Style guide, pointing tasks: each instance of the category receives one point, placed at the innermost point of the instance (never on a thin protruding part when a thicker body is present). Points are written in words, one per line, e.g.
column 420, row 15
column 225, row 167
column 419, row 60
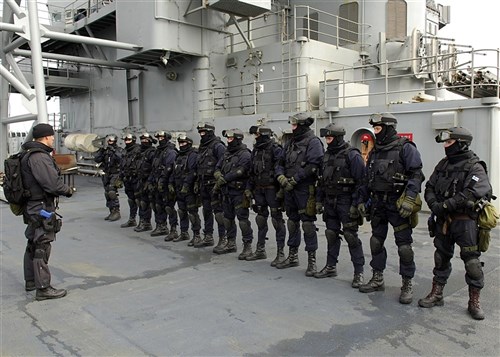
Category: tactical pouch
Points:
column 488, row 217
column 484, row 239
column 52, row 224
column 414, row 220
column 311, row 202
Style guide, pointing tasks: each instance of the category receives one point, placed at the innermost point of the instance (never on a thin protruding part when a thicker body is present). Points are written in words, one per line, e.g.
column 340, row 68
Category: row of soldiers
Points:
column 303, row 180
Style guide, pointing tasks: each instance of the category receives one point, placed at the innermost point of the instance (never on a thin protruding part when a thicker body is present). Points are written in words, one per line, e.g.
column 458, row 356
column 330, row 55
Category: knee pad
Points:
column 438, row 260
column 261, row 221
column 194, row 219
column 474, row 269
column 405, row 253
column 292, row 226
column 206, row 212
column 278, row 223
column 182, row 213
column 106, row 195
column 331, row 236
column 276, row 213
column 309, row 228
column 351, row 239
column 112, row 195
column 375, row 245
column 144, row 205
column 227, row 223
column 245, row 227
column 219, row 218
column 131, row 203
column 169, row 210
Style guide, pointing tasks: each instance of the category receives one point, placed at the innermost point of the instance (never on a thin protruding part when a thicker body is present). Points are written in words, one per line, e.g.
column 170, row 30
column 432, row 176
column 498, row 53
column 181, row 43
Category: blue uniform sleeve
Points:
column 314, row 158
column 243, row 168
column 358, row 172
column 413, row 168
column 192, row 166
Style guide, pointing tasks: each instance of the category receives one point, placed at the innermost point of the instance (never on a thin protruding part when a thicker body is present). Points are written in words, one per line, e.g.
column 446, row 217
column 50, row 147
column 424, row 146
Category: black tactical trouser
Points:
column 130, row 192
column 110, row 190
column 212, row 206
column 187, row 208
column 463, row 233
column 384, row 211
column 143, row 197
column 336, row 217
column 233, row 208
column 265, row 199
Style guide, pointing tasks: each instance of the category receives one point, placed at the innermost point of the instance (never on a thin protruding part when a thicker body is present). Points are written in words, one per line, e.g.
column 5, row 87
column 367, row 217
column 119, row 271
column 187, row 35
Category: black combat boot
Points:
column 434, row 298
column 173, row 235
column 219, row 248
column 246, row 252
column 130, row 223
column 292, row 260
column 474, row 307
column 115, row 215
column 260, row 253
column 140, row 226
column 357, row 280
column 182, row 236
column 311, row 263
column 406, row 296
column 29, row 285
column 197, row 241
column 326, row 272
column 230, row 246
column 280, row 257
column 207, row 241
column 376, row 283
column 160, row 230
column 50, row 293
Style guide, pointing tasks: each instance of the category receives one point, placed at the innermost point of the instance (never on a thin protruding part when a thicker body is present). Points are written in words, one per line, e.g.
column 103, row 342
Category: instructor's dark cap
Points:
column 42, row 130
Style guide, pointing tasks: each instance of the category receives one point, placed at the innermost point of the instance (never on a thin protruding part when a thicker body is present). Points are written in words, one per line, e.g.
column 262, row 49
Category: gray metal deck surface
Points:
column 130, row 294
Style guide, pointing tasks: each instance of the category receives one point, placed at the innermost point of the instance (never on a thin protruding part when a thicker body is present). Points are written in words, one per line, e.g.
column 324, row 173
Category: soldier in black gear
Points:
column 109, row 157
column 166, row 190
column 457, row 183
column 263, row 187
column 158, row 194
column 128, row 174
column 231, row 178
column 394, row 169
column 297, row 174
column 145, row 187
column 210, row 152
column 184, row 179
column 42, row 176
column 341, row 176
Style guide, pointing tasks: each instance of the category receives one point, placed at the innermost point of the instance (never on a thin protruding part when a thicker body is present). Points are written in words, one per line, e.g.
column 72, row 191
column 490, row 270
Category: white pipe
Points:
column 16, row 83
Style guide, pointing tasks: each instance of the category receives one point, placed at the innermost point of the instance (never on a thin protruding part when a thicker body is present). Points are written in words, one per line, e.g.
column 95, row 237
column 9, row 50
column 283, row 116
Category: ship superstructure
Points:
column 118, row 65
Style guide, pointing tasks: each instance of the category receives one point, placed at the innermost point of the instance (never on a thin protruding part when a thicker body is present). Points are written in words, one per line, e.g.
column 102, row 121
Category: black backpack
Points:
column 16, row 194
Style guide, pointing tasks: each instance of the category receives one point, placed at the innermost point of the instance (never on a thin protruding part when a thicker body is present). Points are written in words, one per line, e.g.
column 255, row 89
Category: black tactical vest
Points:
column 130, row 161
column 145, row 163
column 337, row 178
column 295, row 155
column 111, row 162
column 181, row 166
column 263, row 164
column 231, row 163
column 386, row 171
column 207, row 159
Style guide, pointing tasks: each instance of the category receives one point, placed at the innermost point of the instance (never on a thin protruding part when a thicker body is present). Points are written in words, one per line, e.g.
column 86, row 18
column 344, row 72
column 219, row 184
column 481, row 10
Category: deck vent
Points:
column 244, row 8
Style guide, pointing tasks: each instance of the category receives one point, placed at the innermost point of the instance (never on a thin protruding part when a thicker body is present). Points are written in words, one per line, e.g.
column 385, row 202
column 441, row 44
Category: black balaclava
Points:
column 386, row 135
column 300, row 130
column 186, row 147
column 457, row 152
column 162, row 143
column 337, row 143
column 262, row 140
column 146, row 145
column 234, row 145
column 130, row 144
column 209, row 135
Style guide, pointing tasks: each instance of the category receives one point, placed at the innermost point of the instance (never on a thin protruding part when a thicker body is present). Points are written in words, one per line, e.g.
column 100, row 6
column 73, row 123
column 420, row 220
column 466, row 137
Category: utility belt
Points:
column 335, row 190
column 384, row 196
column 461, row 217
column 264, row 187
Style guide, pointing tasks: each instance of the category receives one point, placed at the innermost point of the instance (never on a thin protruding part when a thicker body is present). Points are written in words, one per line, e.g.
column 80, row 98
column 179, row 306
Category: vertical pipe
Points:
column 36, row 61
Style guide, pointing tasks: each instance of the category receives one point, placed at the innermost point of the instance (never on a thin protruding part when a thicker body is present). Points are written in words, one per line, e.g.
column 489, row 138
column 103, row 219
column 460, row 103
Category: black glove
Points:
column 439, row 209
column 319, row 208
column 354, row 212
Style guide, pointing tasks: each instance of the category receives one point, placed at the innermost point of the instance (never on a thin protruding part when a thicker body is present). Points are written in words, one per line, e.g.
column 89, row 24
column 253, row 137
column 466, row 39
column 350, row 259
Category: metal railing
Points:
column 75, row 11
column 306, row 22
column 464, row 79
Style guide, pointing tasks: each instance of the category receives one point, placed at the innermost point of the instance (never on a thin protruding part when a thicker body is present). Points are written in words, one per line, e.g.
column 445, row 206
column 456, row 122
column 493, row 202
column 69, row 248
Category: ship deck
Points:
column 130, row 294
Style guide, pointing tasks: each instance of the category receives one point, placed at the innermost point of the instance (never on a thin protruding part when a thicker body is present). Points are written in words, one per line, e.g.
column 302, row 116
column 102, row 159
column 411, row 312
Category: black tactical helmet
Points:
column 204, row 126
column 332, row 130
column 383, row 119
column 459, row 134
column 164, row 134
column 129, row 136
column 147, row 136
column 112, row 137
column 301, row 119
column 260, row 129
column 233, row 133
column 183, row 138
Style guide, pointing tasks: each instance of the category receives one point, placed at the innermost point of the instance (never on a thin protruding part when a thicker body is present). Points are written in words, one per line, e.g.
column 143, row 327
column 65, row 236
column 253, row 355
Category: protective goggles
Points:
column 298, row 119
column 204, row 126
column 324, row 132
column 255, row 129
column 232, row 133
column 376, row 119
column 443, row 136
